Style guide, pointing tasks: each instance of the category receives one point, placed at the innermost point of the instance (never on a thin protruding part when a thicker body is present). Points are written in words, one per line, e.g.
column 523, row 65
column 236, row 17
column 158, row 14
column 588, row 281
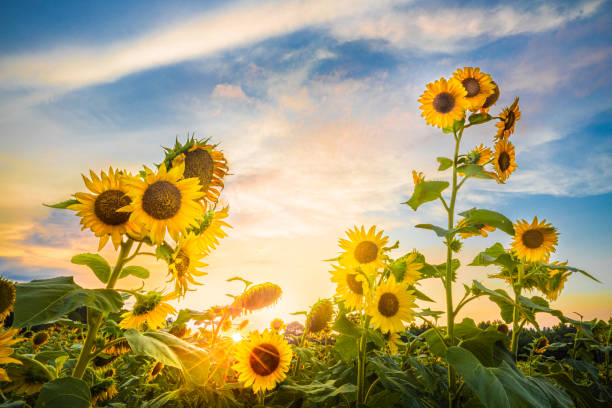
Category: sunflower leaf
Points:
column 426, row 191
column 445, row 163
column 64, row 392
column 457, row 125
column 441, row 232
column 137, row 271
column 344, row 326
column 63, row 205
column 474, row 170
column 478, row 118
column 488, row 217
column 98, row 265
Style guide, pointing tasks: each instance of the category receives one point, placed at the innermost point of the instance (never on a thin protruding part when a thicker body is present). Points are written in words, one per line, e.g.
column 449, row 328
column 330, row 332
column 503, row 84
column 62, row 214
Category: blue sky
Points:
column 315, row 106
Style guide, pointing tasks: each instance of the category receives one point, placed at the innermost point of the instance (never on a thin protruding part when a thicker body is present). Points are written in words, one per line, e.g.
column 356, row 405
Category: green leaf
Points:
column 445, row 163
column 64, row 392
column 441, row 232
column 137, row 271
column 474, row 170
column 344, row 326
column 63, row 205
column 318, row 392
column 347, row 347
column 172, row 351
column 435, row 343
column 487, row 217
column 164, row 251
column 478, row 118
column 426, row 191
column 457, row 125
column 96, row 263
column 420, row 295
column 46, row 300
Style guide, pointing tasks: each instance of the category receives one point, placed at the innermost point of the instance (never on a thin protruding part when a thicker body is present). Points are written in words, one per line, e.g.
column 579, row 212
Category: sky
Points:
column 314, row 104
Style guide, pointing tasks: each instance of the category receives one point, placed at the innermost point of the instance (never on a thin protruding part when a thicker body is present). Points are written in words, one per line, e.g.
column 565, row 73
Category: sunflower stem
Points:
column 94, row 318
column 515, row 316
column 361, row 360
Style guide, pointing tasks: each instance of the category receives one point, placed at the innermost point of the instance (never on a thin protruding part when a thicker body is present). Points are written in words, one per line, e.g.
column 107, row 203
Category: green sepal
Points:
column 63, row 205
column 445, row 163
column 457, row 125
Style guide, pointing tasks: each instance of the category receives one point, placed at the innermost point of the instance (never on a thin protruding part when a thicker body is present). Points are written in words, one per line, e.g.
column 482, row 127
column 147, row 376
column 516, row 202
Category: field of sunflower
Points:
column 63, row 345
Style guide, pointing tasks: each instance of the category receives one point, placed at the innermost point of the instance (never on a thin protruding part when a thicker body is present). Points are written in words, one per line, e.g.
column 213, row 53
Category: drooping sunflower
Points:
column 258, row 296
column 7, row 339
column 100, row 364
column 202, row 161
column 481, row 155
column 99, row 210
column 491, row 99
column 210, row 230
column 7, row 298
column 478, row 86
column 103, row 391
column 504, row 160
column 28, row 377
column 392, row 305
column 263, row 360
column 155, row 371
column 352, row 286
column 165, row 201
column 508, row 119
column 363, row 249
column 119, row 348
column 417, row 177
column 483, row 229
column 40, row 339
column 319, row 316
column 184, row 263
column 150, row 309
column 556, row 282
column 444, row 102
column 534, row 242
column 393, row 340
column 410, row 267
column 540, row 345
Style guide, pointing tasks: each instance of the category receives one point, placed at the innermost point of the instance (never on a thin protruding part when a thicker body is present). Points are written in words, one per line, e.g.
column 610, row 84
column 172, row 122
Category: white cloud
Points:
column 228, row 91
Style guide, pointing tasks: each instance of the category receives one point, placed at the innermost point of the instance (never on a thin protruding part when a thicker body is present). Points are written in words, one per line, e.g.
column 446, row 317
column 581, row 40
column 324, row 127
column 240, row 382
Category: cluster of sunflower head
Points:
column 369, row 283
column 177, row 199
column 445, row 104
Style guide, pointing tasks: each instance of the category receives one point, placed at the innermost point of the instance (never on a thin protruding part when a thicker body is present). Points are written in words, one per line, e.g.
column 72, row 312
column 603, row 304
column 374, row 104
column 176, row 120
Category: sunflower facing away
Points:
column 481, row 155
column 392, row 305
column 28, row 377
column 352, row 286
column 483, row 230
column 417, row 177
column 7, row 298
column 556, row 282
column 319, row 316
column 534, row 241
column 207, row 164
column 504, row 160
column 7, row 339
column 184, row 264
column 509, row 117
column 155, row 371
column 165, row 201
column 103, row 391
column 412, row 268
column 210, row 230
column 263, row 360
column 150, row 309
column 363, row 249
column 478, row 86
column 257, row 297
column 443, row 102
column 99, row 210
column 491, row 99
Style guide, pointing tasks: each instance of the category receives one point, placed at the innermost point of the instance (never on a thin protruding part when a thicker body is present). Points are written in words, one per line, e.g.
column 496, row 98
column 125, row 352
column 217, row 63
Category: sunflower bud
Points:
column 319, row 316
column 103, row 391
column 259, row 296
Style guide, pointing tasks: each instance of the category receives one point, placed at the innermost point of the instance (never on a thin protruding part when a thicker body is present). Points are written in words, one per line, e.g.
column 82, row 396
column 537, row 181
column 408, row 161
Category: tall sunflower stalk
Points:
column 445, row 104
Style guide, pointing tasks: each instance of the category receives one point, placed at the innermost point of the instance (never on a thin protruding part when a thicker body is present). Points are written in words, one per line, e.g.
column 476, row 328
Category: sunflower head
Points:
column 258, row 296
column 491, row 99
column 478, row 86
column 319, row 316
column 27, row 378
column 100, row 208
column 503, row 328
column 504, row 160
column 7, row 298
column 263, row 360
column 417, row 177
column 363, row 249
column 211, row 230
column 534, row 242
column 101, row 364
column 481, row 155
column 352, row 286
column 150, row 309
column 155, row 371
column 184, row 264
column 540, row 345
column 508, row 119
column 7, row 339
column 444, row 102
column 556, row 281
column 103, row 391
column 407, row 268
column 392, row 305
column 119, row 348
column 277, row 324
column 483, row 229
column 40, row 339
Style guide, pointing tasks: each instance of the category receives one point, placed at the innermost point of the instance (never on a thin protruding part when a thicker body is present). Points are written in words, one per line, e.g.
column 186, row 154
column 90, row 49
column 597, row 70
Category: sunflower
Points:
column 534, row 242
column 540, row 345
column 99, row 210
column 155, row 371
column 554, row 285
column 7, row 339
column 483, row 229
column 40, row 339
column 150, row 309
column 210, row 230
column 363, row 249
column 184, row 263
column 27, row 378
column 100, row 364
column 481, row 155
column 412, row 268
column 319, row 316
column 444, row 102
column 352, row 285
column 504, row 160
column 393, row 340
column 119, row 348
column 277, row 324
column 263, row 360
column 392, row 305
column 258, row 296
column 478, row 86
column 7, row 298
column 103, row 391
column 417, row 177
column 163, row 201
column 508, row 119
